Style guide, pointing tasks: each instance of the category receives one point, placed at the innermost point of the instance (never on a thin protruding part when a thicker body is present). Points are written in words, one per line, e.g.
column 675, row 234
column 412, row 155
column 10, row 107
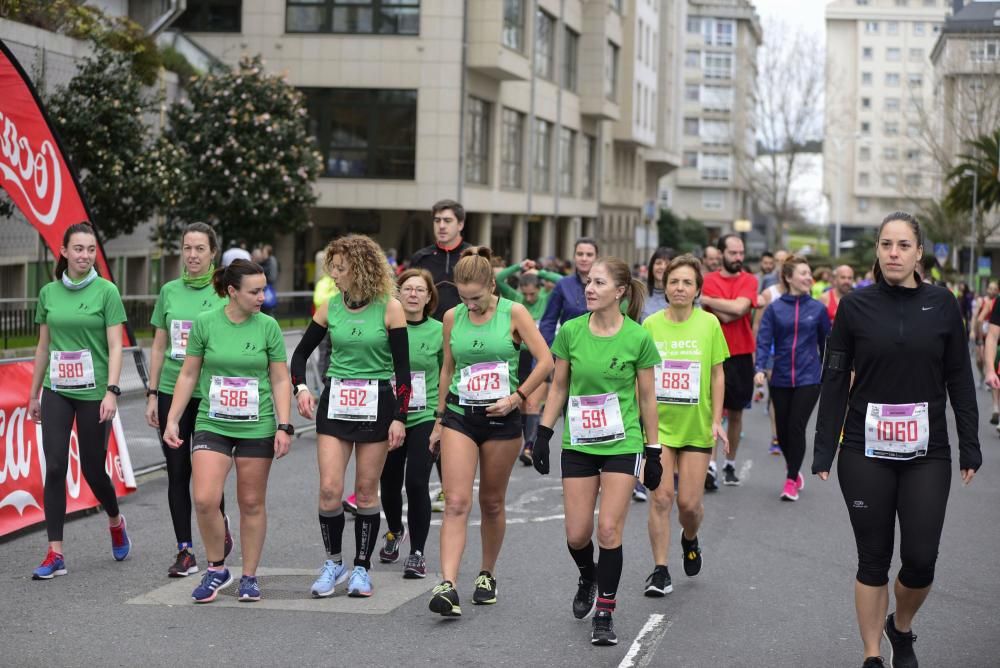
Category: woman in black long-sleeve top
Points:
column 905, row 342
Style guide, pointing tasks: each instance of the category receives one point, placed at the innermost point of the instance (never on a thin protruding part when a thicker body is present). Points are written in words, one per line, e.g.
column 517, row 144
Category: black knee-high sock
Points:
column 584, row 558
column 530, row 428
column 366, row 526
column 331, row 523
column 609, row 573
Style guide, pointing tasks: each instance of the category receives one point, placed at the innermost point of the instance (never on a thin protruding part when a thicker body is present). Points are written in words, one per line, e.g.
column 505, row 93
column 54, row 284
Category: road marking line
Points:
column 745, row 469
column 637, row 655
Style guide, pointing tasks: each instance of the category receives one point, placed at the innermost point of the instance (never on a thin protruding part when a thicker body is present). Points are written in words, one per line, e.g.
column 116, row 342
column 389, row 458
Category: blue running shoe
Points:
column 211, row 583
column 121, row 544
column 50, row 567
column 249, row 589
column 331, row 575
column 360, row 585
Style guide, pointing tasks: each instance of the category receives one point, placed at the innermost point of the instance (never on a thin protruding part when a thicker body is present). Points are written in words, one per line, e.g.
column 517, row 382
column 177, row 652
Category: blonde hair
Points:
column 369, row 267
column 476, row 266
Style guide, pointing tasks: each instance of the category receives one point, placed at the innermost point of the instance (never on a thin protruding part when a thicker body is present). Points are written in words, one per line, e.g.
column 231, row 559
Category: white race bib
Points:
column 71, row 370
column 896, row 431
column 483, row 384
column 678, row 382
column 234, row 399
column 418, row 391
column 179, row 331
column 353, row 400
column 595, row 418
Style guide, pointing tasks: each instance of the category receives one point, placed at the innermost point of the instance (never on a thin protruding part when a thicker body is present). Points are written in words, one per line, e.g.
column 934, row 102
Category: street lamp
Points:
column 972, row 237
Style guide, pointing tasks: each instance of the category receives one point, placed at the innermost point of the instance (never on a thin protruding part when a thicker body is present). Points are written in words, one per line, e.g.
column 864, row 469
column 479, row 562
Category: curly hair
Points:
column 372, row 276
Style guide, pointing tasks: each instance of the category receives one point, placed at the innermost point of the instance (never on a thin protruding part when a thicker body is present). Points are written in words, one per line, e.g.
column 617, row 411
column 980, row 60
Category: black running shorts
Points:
column 739, row 382
column 261, row 448
column 576, row 464
column 358, row 432
column 479, row 426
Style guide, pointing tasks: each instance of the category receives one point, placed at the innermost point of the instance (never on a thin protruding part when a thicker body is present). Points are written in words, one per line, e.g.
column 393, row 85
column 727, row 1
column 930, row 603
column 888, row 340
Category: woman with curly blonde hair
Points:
column 358, row 410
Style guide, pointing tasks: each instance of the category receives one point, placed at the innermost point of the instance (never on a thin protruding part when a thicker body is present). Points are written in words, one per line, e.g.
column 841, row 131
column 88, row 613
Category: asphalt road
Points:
column 776, row 588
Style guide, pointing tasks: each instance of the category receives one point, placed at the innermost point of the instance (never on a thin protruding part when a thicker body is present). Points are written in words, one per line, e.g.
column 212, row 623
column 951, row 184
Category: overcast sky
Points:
column 805, row 13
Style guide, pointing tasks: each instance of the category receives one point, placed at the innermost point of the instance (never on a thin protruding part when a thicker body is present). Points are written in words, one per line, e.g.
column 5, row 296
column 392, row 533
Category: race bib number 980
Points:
column 71, row 370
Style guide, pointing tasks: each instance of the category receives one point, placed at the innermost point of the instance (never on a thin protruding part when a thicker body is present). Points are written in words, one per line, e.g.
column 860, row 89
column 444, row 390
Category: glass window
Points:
column 891, row 129
column 867, row 53
column 863, row 179
column 692, row 92
column 571, row 49
column 890, row 180
column 364, row 133
column 985, row 51
column 913, row 154
column 866, row 103
column 864, row 154
column 513, row 24
column 692, row 58
column 690, row 159
column 916, row 79
column 866, row 127
column 211, row 16
column 512, row 149
column 892, row 27
column 477, row 141
column 866, row 78
column 589, row 146
column 717, row 98
column 715, row 132
column 892, row 79
column 611, row 72
column 543, row 155
column 919, row 28
column 545, row 41
column 890, row 153
column 916, row 55
column 892, row 104
column 694, row 25
column 893, row 54
column 713, row 200
column 719, row 32
column 567, row 158
column 863, row 204
column 357, row 17
column 715, row 166
column 718, row 65
column 871, row 27
column 691, row 127
column 912, row 129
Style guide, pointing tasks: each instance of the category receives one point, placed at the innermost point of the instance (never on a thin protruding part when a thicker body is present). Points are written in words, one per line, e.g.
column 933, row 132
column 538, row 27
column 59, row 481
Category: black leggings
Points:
column 58, row 412
column 417, row 476
column 876, row 491
column 792, row 408
column 179, row 467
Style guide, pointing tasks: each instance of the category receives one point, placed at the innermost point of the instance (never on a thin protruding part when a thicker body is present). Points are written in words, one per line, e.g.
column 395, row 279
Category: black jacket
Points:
column 906, row 345
column 441, row 264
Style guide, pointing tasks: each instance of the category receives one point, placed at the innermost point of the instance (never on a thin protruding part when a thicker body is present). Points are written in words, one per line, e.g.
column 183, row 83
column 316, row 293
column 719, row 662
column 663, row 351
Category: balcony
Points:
column 498, row 48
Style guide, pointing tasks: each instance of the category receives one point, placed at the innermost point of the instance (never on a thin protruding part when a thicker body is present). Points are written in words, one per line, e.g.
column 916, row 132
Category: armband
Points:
column 838, row 360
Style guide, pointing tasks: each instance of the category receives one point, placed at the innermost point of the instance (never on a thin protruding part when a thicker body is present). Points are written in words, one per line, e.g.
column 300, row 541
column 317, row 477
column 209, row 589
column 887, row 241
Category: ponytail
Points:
column 475, row 266
column 77, row 228
column 635, row 293
column 914, row 224
column 232, row 275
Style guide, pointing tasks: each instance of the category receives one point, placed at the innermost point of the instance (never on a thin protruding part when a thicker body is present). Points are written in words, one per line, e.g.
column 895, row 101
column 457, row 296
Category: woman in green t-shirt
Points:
column 236, row 357
column 79, row 358
column 479, row 418
column 602, row 357
column 690, row 385
column 178, row 304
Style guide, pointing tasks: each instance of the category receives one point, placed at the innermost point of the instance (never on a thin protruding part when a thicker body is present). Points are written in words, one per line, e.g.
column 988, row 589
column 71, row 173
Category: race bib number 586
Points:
column 234, row 399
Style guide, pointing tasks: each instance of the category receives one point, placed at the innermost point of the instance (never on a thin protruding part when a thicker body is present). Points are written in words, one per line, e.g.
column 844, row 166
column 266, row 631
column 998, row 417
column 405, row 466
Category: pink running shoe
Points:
column 791, row 491
column 351, row 504
column 800, row 482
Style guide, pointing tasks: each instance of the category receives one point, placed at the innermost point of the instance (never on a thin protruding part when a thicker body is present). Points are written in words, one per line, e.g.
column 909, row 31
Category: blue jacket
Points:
column 566, row 302
column 797, row 327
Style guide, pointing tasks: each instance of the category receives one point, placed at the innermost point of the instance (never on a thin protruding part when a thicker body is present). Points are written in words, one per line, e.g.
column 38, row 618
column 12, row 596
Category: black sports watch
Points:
column 152, row 392
column 115, row 390
column 287, row 428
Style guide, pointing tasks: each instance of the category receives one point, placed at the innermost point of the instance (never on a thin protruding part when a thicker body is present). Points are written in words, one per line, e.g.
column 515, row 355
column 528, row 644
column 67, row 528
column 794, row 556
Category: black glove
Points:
column 652, row 474
column 540, row 450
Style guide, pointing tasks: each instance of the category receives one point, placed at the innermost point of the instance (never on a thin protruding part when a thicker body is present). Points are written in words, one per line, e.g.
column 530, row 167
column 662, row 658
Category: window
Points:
column 919, row 28
column 871, row 27
column 692, row 58
column 929, row 3
column 863, row 179
column 866, row 103
column 713, row 200
column 890, row 180
column 512, row 148
column 365, row 17
column 589, row 146
column 717, row 98
column 866, row 78
column 864, row 154
column 364, row 133
column 211, row 16
column 916, row 80
column 477, row 141
column 916, row 55
column 719, row 32
column 543, row 153
column 866, row 128
column 912, row 129
column 692, row 92
column 567, row 157
column 893, row 54
column 715, row 132
column 902, row 3
column 571, row 49
column 985, row 50
column 690, row 159
column 718, row 65
column 890, row 153
column 892, row 79
column 513, row 24
column 611, row 72
column 913, row 154
column 913, row 180
column 545, row 41
column 892, row 104
column 691, row 127
column 863, row 204
column 715, row 166
column 867, row 53
column 861, row 3
column 615, row 5
column 891, row 129
column 892, row 27
column 694, row 25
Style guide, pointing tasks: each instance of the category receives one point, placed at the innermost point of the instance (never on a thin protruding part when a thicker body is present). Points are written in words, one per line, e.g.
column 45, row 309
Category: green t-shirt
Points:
column 425, row 345
column 697, row 339
column 487, row 343
column 242, row 352
column 537, row 310
column 600, row 365
column 78, row 321
column 359, row 342
column 176, row 308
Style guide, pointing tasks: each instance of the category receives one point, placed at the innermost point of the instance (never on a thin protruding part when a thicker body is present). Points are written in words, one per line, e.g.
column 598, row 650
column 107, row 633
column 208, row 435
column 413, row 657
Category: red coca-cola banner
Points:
column 34, row 169
column 22, row 461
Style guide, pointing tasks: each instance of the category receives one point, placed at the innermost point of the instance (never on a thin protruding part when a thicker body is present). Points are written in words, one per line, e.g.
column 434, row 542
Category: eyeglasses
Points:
column 414, row 290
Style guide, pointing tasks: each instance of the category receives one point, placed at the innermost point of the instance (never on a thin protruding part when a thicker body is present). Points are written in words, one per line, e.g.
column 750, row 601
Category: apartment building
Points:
column 718, row 143
column 879, row 102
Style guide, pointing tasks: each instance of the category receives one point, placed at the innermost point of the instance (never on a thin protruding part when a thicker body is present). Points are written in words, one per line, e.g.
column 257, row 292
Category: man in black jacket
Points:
column 441, row 257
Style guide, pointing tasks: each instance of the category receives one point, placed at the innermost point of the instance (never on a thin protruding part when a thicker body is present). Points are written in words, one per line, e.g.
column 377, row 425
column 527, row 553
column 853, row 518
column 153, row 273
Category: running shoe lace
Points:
column 442, row 588
column 602, row 623
column 50, row 559
column 483, row 582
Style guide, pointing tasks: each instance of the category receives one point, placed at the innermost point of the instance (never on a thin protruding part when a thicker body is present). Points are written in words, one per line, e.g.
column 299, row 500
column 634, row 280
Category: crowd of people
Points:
column 452, row 358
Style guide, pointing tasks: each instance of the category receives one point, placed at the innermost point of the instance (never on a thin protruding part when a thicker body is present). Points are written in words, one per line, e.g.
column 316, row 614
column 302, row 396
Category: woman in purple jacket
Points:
column 797, row 325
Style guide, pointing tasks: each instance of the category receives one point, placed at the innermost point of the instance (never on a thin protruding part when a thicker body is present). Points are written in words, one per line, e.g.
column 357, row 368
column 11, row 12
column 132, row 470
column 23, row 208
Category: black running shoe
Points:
column 692, row 555
column 525, row 457
column 389, row 554
column 711, row 481
column 444, row 600
column 585, row 599
column 604, row 629
column 183, row 566
column 901, row 645
column 873, row 662
column 995, row 419
column 486, row 589
column 729, row 476
column 659, row 584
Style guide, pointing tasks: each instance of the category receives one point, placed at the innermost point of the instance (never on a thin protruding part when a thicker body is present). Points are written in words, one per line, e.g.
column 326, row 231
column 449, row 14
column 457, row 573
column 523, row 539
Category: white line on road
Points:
column 745, row 469
column 637, row 655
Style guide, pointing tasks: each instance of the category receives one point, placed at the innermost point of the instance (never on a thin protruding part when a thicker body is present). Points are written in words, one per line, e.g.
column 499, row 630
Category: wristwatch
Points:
column 152, row 392
column 287, row 428
column 438, row 414
column 298, row 388
column 115, row 390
